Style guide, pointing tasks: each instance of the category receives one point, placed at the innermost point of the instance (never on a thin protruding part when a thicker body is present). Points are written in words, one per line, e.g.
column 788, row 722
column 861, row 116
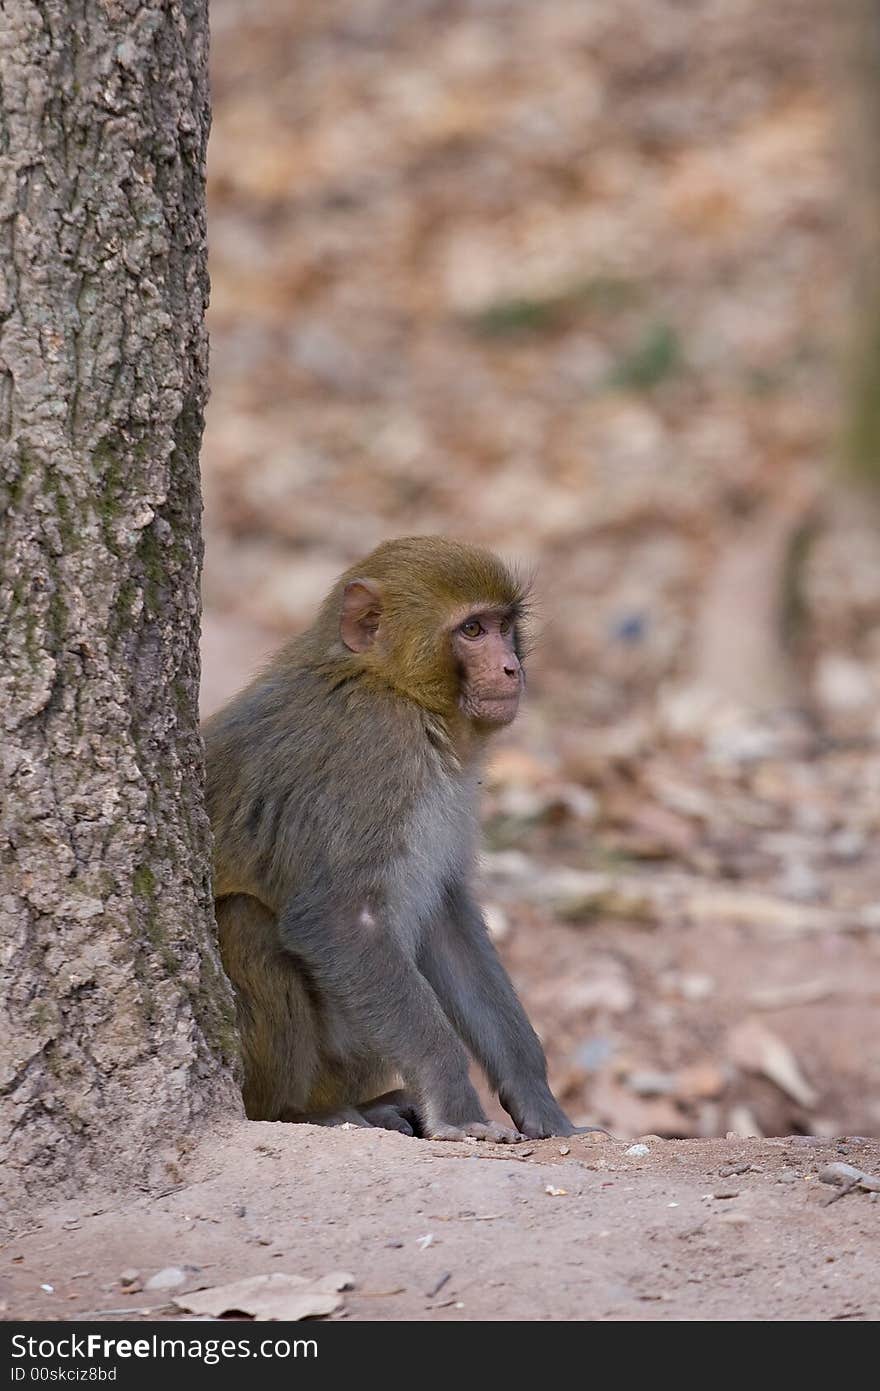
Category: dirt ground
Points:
column 711, row 1229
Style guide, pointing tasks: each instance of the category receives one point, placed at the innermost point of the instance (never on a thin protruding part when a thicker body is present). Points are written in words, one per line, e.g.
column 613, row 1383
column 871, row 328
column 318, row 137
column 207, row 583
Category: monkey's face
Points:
column 491, row 675
column 438, row 622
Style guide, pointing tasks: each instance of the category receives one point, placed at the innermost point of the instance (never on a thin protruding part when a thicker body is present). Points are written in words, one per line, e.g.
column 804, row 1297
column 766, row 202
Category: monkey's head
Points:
column 438, row 621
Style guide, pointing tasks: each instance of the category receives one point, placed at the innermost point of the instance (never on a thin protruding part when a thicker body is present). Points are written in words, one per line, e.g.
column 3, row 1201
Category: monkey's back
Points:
column 338, row 801
column 312, row 788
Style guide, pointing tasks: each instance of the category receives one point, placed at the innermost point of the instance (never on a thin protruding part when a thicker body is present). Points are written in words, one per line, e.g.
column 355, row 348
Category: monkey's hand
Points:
column 561, row 1129
column 477, row 1130
column 540, row 1116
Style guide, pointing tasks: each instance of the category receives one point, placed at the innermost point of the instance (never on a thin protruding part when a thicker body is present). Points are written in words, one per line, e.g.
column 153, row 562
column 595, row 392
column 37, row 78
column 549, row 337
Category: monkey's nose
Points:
column 511, row 671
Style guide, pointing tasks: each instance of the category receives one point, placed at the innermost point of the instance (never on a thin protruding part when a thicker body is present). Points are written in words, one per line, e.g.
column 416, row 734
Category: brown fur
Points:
column 341, row 790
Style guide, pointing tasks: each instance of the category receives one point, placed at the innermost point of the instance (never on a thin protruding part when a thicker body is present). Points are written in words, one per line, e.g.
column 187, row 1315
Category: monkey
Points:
column 342, row 794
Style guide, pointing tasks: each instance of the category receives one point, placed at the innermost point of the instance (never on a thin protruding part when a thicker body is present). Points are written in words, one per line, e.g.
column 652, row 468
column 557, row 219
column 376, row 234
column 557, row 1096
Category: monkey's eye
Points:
column 505, row 626
column 472, row 629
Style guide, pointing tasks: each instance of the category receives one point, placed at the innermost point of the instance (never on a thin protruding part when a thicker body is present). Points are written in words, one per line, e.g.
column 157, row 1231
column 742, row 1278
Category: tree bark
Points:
column 117, row 1030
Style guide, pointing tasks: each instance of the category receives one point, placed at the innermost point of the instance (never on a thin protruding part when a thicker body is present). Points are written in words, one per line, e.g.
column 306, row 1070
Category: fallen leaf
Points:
column 578, row 896
column 265, row 1297
column 750, row 908
column 756, row 1049
column 808, row 992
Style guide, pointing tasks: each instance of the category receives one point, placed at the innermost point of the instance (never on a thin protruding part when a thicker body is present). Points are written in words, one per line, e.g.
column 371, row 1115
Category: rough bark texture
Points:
column 116, row 1028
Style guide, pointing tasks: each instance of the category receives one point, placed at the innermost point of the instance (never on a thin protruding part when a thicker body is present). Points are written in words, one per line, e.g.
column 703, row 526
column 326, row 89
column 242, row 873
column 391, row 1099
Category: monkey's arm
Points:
column 373, row 990
column 476, row 992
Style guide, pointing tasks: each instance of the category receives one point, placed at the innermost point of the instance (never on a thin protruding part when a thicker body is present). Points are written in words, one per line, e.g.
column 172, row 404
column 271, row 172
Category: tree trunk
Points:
column 859, row 77
column 748, row 616
column 117, row 1035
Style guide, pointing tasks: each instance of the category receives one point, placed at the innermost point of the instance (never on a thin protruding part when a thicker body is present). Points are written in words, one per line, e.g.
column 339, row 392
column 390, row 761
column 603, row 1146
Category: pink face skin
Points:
column 492, row 675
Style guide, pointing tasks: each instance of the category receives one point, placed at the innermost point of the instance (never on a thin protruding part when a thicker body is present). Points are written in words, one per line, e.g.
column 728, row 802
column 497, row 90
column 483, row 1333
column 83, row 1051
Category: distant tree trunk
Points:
column 749, row 617
column 117, row 1028
column 740, row 660
column 860, row 78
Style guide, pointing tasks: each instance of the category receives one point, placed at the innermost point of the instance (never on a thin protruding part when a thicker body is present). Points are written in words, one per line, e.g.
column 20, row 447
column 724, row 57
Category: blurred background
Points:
column 594, row 285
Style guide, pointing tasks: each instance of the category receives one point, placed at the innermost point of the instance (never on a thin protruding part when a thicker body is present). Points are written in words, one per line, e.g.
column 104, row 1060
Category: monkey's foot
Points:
column 548, row 1131
column 542, row 1118
column 478, row 1130
column 393, row 1111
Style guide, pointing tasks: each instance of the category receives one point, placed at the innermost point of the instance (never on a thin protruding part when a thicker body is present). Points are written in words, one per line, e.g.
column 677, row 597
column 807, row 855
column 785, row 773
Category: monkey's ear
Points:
column 361, row 611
